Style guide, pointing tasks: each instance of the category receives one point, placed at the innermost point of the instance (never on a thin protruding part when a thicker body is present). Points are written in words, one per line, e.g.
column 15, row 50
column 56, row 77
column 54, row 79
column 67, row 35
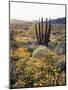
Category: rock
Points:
column 40, row 52
column 60, row 48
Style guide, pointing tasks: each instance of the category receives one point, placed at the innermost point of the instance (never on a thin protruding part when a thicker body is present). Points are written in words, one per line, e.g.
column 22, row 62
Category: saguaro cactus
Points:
column 43, row 36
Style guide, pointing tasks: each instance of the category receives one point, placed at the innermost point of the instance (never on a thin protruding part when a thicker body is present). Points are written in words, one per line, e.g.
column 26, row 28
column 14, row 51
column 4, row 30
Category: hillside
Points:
column 59, row 20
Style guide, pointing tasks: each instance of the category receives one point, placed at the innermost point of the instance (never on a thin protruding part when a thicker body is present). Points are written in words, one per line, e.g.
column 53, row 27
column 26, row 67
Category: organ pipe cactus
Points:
column 43, row 30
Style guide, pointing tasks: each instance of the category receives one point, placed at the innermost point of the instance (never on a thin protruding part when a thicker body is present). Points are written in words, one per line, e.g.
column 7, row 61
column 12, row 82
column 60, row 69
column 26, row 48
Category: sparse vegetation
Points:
column 33, row 64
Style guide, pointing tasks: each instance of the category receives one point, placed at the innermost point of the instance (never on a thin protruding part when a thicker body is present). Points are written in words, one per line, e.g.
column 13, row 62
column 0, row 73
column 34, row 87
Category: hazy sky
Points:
column 29, row 11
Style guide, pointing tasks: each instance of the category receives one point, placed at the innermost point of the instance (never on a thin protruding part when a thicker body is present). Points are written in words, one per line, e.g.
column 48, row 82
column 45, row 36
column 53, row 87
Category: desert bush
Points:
column 19, row 52
column 40, row 51
column 60, row 48
column 13, row 44
column 61, row 65
column 52, row 45
column 14, row 58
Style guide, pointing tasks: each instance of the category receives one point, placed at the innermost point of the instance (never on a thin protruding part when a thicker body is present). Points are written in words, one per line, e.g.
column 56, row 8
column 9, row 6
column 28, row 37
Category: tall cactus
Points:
column 43, row 37
column 46, row 28
column 42, row 27
column 39, row 32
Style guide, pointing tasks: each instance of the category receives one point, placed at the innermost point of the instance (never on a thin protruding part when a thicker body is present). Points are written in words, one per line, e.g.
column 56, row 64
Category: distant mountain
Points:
column 59, row 20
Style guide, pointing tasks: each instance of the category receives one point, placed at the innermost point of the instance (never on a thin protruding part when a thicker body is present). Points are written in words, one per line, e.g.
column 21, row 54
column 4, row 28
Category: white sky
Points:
column 30, row 11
